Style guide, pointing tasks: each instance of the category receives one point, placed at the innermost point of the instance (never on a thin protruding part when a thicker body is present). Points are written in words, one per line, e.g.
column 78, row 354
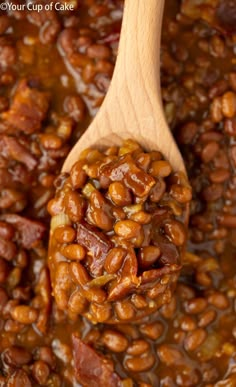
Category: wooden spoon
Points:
column 133, row 107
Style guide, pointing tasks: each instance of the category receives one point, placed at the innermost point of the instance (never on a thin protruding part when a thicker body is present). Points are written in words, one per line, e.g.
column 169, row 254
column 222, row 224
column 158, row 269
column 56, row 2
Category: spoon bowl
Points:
column 133, row 107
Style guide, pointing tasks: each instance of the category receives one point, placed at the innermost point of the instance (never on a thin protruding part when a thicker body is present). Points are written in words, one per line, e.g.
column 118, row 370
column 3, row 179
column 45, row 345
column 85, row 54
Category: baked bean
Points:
column 160, row 168
column 41, row 372
column 73, row 251
column 102, row 313
column 137, row 347
column 219, row 300
column 219, row 176
column 119, row 194
column 24, row 314
column 114, row 260
column 187, row 323
column 3, row 298
column 169, row 355
column 196, row 305
column 95, row 295
column 98, row 51
column 148, row 256
column 75, row 106
column 79, row 273
column 175, row 231
column 46, row 355
column 209, row 151
column 78, row 175
column 127, row 229
column 64, row 234
column 7, row 249
column 16, row 356
column 206, row 318
column 6, row 231
column 77, row 303
column 4, row 271
column 195, row 339
column 124, row 310
column 181, row 194
column 50, row 141
column 140, row 364
column 74, row 205
column 115, row 341
column 158, row 190
column 229, row 104
column 139, row 301
column 19, row 378
column 152, row 330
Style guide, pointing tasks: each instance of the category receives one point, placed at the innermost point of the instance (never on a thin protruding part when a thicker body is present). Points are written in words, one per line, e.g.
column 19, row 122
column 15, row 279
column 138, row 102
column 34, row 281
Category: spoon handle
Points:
column 139, row 47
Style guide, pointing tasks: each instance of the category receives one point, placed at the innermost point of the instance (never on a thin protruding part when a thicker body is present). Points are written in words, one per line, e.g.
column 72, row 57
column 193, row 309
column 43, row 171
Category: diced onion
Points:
column 60, row 220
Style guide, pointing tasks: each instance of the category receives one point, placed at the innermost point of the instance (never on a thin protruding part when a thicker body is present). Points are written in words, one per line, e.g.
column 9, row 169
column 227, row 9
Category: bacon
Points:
column 28, row 109
column 92, row 369
column 30, row 231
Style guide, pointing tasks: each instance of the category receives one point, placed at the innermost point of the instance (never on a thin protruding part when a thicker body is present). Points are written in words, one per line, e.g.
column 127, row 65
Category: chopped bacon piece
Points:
column 95, row 242
column 28, row 109
column 91, row 369
column 124, row 169
column 30, row 231
column 11, row 148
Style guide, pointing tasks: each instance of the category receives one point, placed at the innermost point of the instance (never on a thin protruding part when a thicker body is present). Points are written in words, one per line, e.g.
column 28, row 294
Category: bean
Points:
column 216, row 110
column 47, row 356
column 16, row 356
column 158, row 190
column 74, row 205
column 206, row 318
column 195, row 339
column 7, row 249
column 219, row 176
column 229, row 104
column 141, row 217
column 209, row 151
column 77, row 303
column 219, row 300
column 102, row 313
column 137, row 347
column 24, row 314
column 4, row 271
column 40, row 372
column 73, row 251
column 160, row 168
column 3, row 298
column 139, row 301
column 148, row 255
column 175, row 231
column 6, row 231
column 140, row 364
column 50, row 141
column 74, row 104
column 120, row 194
column 79, row 273
column 78, row 175
column 152, row 330
column 114, row 260
column 196, row 305
column 64, row 234
column 169, row 355
column 98, row 51
column 181, row 194
column 187, row 323
column 19, row 378
column 124, row 310
column 95, row 295
column 127, row 229
column 114, row 341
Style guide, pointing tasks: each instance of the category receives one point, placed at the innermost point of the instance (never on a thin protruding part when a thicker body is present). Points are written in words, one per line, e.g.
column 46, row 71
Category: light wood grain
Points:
column 132, row 107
